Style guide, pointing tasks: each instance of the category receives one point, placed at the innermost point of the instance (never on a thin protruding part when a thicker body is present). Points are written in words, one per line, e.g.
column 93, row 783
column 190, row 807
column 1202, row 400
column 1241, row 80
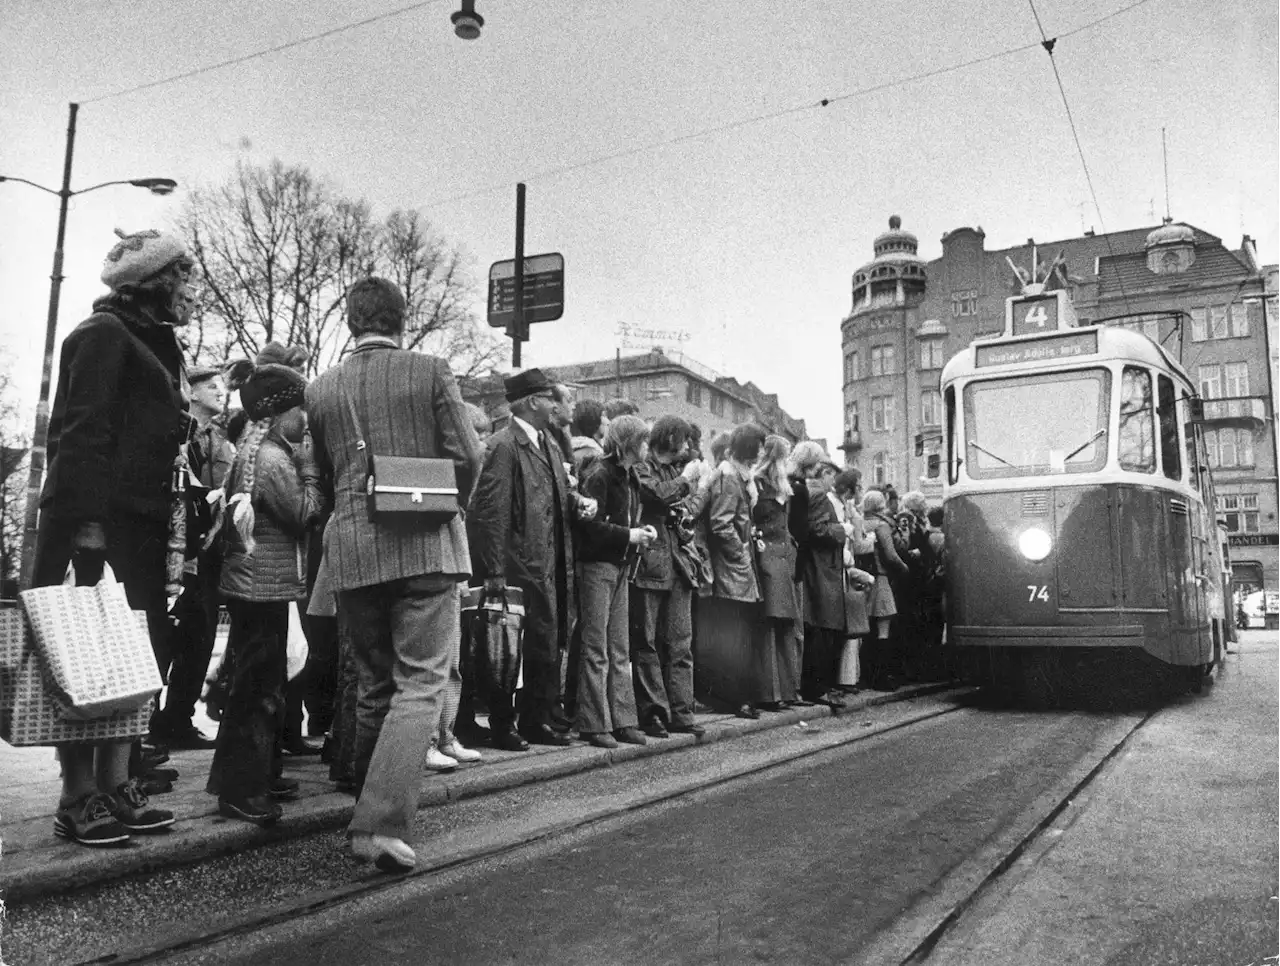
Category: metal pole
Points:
column 617, row 374
column 39, row 437
column 518, row 330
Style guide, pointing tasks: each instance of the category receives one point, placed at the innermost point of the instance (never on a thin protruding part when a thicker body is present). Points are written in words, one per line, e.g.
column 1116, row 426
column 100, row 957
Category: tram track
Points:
column 181, row 946
column 912, row 938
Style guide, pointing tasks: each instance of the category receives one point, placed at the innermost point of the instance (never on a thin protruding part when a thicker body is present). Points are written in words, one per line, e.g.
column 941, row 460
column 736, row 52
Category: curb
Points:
column 205, row 834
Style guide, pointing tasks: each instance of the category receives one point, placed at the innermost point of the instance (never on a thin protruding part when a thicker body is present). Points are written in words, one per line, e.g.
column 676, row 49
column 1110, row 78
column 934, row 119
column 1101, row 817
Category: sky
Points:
column 730, row 206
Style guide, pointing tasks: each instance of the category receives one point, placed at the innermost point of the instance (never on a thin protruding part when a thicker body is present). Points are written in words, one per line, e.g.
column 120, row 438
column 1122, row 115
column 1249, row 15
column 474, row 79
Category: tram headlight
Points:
column 1034, row 543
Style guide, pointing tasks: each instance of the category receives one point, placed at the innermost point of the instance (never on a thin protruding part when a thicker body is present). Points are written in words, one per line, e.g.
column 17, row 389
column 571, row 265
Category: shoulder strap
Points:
column 361, row 445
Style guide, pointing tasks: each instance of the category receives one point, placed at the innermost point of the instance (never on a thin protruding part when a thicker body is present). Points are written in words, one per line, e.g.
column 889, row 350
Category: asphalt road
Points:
column 800, row 865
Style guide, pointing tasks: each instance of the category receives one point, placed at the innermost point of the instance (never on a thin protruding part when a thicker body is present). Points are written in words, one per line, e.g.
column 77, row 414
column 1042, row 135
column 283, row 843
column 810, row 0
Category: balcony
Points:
column 1240, row 412
column 852, row 441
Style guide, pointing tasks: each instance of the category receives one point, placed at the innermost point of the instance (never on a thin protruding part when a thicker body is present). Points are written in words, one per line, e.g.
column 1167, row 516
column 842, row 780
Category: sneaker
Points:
column 630, row 736
column 259, row 811
column 439, row 761
column 455, row 750
column 133, row 809
column 90, row 821
column 387, row 853
column 284, row 789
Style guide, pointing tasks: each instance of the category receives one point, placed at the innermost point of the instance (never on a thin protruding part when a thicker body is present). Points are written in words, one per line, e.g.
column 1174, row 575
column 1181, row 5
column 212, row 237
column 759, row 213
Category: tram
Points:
column 1078, row 503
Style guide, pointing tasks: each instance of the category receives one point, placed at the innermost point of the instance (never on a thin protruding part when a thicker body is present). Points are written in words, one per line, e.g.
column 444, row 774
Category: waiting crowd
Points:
column 754, row 575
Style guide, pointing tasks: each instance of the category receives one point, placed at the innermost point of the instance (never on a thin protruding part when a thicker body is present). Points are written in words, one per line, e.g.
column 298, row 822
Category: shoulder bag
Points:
column 406, row 490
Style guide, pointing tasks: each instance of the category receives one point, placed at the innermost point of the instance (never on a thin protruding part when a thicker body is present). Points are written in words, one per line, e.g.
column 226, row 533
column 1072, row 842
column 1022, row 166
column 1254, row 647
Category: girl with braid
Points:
column 274, row 496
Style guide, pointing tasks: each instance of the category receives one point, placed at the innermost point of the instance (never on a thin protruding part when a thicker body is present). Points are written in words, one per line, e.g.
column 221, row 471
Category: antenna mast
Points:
column 1164, row 148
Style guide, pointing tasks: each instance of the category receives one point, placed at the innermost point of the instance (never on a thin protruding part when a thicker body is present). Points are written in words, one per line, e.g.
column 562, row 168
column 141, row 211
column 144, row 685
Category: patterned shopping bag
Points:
column 96, row 652
column 15, row 638
column 38, row 716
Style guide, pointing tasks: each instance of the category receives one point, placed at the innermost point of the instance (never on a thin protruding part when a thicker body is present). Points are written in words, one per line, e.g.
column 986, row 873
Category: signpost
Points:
column 535, row 294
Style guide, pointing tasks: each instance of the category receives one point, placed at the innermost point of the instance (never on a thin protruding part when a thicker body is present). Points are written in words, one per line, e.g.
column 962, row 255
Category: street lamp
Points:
column 466, row 22
column 39, row 438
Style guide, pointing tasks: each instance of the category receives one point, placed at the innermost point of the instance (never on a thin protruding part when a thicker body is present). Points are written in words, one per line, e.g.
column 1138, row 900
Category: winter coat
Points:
column 822, row 562
column 519, row 519
column 777, row 561
column 606, row 537
column 287, row 500
column 118, row 418
column 662, row 490
column 729, row 547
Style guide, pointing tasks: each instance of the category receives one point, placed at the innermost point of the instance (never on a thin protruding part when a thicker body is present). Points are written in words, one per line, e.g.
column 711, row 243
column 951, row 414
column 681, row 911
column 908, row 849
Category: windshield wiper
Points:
column 1087, row 442
column 993, row 455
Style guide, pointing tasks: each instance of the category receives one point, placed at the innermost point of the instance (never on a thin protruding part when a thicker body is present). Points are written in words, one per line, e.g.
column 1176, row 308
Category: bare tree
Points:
column 13, row 463
column 278, row 248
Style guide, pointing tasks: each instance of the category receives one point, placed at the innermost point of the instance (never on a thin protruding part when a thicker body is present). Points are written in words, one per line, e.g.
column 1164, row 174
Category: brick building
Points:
column 1209, row 305
column 659, row 383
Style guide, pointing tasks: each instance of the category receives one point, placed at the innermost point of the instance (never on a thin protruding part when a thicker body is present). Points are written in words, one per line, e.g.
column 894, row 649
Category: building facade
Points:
column 1210, row 306
column 659, row 383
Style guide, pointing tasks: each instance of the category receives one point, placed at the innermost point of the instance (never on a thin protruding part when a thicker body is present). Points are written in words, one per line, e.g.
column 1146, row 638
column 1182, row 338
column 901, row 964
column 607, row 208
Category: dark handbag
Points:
column 493, row 628
column 406, row 490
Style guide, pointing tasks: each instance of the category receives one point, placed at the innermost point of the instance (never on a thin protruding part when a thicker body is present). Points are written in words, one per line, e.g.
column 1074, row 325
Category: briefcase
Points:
column 494, row 630
column 407, row 489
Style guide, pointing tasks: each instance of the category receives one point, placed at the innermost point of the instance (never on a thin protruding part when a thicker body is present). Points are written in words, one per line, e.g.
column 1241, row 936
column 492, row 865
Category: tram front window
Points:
column 1041, row 425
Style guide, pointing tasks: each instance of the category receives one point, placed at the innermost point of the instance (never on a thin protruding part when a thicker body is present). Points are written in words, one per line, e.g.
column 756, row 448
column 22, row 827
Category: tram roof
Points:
column 1114, row 344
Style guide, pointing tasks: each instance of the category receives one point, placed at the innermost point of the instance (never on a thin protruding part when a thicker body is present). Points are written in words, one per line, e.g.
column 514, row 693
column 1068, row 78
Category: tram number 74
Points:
column 1037, row 593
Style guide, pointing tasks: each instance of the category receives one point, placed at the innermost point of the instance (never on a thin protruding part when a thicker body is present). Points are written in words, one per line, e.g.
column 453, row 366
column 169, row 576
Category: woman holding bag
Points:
column 274, row 497
column 858, row 581
column 117, row 423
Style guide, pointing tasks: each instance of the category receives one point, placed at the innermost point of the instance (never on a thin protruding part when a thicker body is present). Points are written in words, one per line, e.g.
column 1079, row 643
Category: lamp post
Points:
column 39, row 437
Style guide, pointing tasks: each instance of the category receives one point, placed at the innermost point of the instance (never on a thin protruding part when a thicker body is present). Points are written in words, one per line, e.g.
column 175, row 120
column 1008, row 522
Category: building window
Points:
column 931, row 354
column 879, row 470
column 883, row 360
column 1236, row 379
column 1232, row 321
column 739, row 413
column 1239, row 511
column 1229, row 448
column 882, row 414
column 1218, row 322
column 964, row 303
column 693, row 393
column 717, row 404
column 851, row 366
column 931, row 408
column 1239, row 321
column 850, row 419
column 1199, row 325
column 1210, row 382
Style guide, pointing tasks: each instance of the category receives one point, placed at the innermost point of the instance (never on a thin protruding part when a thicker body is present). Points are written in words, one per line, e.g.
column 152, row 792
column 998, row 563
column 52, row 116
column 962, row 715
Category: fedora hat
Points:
column 526, row 384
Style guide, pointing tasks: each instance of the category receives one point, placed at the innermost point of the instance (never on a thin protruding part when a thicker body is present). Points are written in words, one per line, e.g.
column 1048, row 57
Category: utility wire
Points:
column 1048, row 44
column 263, row 53
column 773, row 115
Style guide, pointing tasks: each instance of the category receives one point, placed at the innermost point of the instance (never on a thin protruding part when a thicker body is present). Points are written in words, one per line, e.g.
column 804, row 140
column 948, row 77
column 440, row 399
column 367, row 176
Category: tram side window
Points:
column 953, row 464
column 1137, row 444
column 1170, row 452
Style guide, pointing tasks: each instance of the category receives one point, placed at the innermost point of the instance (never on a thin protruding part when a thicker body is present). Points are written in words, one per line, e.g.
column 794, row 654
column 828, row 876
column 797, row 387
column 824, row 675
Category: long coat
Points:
column 408, row 405
column 118, row 418
column 662, row 488
column 520, row 515
column 778, row 559
column 822, row 563
column 728, row 511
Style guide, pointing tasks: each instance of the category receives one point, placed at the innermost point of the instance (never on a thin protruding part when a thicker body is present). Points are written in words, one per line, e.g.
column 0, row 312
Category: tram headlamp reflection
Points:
column 1034, row 543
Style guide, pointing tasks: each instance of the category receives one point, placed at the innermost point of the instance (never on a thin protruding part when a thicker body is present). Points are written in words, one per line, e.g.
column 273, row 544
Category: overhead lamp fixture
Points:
column 466, row 22
column 157, row 186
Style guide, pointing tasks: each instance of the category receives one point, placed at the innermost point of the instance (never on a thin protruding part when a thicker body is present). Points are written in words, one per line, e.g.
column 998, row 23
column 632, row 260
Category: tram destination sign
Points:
column 1037, row 350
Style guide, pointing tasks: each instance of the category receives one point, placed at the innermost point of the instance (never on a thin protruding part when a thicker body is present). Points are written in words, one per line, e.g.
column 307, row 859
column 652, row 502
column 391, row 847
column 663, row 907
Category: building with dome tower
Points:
column 1209, row 305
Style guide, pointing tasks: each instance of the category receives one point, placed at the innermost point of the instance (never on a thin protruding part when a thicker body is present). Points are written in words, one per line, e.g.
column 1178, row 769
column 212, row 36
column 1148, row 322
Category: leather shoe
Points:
column 284, row 789
column 546, row 735
column 508, row 741
column 601, row 739
column 189, row 738
column 298, row 746
column 656, row 729
column 690, row 729
column 630, row 736
column 746, row 711
column 387, row 853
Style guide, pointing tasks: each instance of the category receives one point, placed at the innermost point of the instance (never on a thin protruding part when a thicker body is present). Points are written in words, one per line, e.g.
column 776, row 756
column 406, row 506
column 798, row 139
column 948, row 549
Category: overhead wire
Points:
column 288, row 45
column 1048, row 44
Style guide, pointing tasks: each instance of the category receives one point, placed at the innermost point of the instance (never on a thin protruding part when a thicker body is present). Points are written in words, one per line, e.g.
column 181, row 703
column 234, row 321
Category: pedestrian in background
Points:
column 275, row 497
column 821, row 560
column 520, row 522
column 396, row 584
column 588, row 428
column 775, row 649
column 858, row 579
column 881, row 665
column 911, row 541
column 662, row 595
column 117, row 422
column 610, row 542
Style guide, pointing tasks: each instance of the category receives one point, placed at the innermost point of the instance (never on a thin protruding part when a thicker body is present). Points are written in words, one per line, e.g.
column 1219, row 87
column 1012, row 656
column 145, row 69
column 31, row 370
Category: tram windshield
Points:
column 1041, row 425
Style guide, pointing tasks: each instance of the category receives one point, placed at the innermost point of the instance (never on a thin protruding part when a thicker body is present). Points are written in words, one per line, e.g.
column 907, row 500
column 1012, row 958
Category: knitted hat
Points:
column 526, row 384
column 140, row 256
column 267, row 390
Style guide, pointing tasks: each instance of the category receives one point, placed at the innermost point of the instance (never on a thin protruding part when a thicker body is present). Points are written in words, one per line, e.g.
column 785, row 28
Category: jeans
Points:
column 606, row 696
column 663, row 654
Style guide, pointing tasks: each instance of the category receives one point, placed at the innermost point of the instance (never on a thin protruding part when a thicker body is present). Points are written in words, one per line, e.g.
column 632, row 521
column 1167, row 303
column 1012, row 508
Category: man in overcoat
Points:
column 396, row 584
column 821, row 566
column 519, row 524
